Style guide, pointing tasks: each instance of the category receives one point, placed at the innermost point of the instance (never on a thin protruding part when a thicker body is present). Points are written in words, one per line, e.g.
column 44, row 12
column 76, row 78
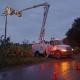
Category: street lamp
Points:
column 7, row 11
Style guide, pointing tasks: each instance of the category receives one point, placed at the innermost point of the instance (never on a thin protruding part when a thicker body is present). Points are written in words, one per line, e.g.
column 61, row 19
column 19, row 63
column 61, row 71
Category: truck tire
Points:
column 36, row 54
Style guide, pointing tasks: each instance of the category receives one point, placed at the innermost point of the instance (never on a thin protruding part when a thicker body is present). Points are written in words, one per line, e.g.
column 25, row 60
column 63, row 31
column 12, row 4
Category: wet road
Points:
column 52, row 70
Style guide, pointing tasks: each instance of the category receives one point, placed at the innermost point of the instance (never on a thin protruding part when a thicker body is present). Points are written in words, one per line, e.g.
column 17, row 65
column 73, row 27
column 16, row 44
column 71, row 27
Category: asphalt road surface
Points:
column 51, row 70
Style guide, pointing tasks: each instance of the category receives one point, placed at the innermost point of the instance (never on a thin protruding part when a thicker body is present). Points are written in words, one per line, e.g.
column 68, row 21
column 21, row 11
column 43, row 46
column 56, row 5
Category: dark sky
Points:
column 61, row 15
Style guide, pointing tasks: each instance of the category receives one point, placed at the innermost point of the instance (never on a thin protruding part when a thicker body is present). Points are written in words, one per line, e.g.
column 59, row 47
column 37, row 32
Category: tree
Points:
column 73, row 34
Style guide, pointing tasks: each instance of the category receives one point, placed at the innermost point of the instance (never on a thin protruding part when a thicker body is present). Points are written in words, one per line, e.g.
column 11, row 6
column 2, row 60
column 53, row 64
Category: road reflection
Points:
column 53, row 70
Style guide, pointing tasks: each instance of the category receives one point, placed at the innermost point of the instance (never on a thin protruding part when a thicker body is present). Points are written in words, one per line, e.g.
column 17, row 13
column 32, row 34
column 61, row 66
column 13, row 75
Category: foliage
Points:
column 73, row 34
column 76, row 50
column 13, row 53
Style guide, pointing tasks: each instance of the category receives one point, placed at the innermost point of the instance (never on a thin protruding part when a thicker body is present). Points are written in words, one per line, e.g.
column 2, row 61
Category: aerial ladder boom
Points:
column 46, row 8
column 42, row 32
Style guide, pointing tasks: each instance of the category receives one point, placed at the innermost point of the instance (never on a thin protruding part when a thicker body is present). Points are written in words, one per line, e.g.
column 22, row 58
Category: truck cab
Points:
column 39, row 49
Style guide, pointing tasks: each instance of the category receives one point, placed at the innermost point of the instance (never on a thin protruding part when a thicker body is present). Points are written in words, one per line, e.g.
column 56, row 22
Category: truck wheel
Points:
column 36, row 54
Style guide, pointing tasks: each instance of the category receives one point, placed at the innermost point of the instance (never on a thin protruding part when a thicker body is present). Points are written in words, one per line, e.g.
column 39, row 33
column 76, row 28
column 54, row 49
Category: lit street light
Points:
column 7, row 11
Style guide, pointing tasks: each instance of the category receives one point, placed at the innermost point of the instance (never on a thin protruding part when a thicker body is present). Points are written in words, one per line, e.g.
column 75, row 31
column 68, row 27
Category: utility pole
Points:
column 5, row 27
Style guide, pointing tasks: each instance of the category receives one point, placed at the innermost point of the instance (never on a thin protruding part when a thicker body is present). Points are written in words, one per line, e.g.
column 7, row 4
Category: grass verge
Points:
column 15, row 61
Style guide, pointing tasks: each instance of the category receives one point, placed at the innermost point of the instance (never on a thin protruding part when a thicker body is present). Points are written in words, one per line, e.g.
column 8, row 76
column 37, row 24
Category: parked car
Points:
column 59, row 49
